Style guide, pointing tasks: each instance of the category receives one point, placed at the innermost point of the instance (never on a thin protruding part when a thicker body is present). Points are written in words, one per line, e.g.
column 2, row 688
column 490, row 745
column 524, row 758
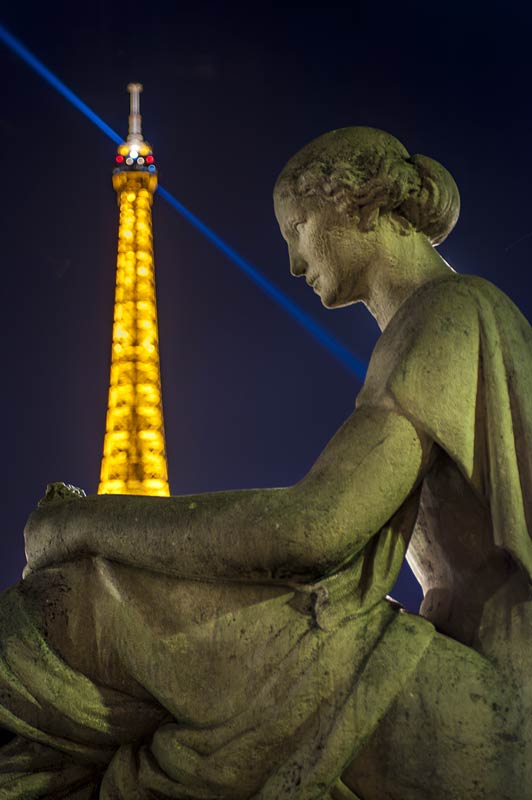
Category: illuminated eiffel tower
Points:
column 134, row 452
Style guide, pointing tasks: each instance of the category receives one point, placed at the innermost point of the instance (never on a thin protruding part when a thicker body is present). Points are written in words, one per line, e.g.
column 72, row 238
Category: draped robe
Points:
column 127, row 682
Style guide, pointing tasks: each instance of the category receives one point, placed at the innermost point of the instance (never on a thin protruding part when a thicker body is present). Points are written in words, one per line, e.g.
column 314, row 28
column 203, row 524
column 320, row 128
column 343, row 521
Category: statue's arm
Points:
column 303, row 531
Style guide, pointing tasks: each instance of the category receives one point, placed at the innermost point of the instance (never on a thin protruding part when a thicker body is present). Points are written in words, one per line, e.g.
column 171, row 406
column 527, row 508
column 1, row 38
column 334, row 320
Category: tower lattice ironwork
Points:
column 134, row 451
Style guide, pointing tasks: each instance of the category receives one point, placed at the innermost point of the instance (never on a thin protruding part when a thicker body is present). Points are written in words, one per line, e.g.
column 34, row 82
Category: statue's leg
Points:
column 92, row 668
column 453, row 733
column 61, row 728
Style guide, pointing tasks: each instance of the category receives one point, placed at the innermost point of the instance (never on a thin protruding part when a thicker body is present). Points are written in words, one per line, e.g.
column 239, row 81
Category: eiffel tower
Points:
column 134, row 451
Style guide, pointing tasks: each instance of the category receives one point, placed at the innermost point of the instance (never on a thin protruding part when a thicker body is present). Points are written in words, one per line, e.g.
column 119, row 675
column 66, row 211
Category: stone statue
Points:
column 240, row 644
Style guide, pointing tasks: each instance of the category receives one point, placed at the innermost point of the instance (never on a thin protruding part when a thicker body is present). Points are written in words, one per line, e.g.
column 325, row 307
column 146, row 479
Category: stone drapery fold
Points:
column 455, row 361
column 303, row 676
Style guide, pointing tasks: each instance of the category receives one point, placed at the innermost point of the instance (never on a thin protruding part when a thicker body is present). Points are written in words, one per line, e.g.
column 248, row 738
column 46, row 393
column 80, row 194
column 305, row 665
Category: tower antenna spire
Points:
column 135, row 119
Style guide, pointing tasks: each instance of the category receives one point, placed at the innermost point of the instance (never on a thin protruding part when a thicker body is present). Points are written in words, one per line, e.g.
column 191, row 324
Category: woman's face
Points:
column 327, row 248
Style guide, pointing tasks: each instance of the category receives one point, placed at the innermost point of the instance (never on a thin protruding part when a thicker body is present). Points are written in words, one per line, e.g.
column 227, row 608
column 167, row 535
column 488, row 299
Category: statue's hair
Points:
column 367, row 172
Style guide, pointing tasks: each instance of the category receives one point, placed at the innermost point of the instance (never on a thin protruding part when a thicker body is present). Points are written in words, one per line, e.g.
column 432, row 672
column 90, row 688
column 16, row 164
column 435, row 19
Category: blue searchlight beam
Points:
column 331, row 343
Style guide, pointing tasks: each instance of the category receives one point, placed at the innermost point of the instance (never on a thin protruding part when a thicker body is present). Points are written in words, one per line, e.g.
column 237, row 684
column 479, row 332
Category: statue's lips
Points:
column 311, row 281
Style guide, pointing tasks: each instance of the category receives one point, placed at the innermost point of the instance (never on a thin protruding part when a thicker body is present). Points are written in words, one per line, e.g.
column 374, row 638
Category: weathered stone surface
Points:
column 239, row 644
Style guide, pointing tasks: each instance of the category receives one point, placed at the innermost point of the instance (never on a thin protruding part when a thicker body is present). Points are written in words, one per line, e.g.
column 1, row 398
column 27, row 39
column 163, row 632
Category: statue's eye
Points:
column 298, row 225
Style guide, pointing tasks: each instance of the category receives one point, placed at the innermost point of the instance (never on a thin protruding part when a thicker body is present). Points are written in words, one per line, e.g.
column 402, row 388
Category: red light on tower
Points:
column 119, row 159
column 149, row 159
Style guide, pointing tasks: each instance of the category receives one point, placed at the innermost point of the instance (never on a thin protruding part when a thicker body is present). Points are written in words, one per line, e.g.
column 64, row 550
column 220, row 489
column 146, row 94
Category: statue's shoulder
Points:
column 434, row 334
column 455, row 290
column 454, row 302
column 466, row 290
column 435, row 313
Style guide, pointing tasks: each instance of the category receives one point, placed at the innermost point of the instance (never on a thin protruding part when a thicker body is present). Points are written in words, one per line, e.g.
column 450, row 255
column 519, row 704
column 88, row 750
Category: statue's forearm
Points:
column 236, row 534
column 302, row 531
column 251, row 534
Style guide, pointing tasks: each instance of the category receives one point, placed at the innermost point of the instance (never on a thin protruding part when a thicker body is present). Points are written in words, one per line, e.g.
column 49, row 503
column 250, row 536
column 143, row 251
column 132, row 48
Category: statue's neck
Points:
column 396, row 280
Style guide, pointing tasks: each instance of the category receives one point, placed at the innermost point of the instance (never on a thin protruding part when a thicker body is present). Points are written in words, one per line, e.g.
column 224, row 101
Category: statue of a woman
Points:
column 239, row 644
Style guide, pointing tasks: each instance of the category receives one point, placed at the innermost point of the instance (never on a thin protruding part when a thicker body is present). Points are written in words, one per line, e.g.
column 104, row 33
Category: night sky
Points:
column 230, row 93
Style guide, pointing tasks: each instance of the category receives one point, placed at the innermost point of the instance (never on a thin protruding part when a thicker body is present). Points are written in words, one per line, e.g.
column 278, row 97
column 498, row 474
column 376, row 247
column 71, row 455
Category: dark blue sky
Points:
column 230, row 94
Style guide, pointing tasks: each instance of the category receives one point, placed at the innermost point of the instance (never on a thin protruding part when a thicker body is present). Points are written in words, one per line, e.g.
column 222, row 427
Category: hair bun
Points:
column 435, row 208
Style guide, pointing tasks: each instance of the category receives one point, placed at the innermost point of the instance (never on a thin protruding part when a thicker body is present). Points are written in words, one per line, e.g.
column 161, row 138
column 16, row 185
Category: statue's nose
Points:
column 298, row 266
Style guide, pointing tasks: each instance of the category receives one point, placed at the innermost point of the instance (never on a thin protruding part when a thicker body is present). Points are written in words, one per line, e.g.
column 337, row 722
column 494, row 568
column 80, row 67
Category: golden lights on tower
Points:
column 134, row 453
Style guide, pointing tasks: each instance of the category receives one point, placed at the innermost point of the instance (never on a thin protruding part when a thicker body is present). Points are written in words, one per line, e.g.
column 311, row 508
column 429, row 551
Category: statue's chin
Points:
column 334, row 295
column 328, row 303
column 328, row 299
column 333, row 301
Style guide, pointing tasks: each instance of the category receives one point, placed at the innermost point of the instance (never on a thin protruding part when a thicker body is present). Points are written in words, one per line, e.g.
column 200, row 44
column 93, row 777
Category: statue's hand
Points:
column 60, row 491
column 55, row 531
